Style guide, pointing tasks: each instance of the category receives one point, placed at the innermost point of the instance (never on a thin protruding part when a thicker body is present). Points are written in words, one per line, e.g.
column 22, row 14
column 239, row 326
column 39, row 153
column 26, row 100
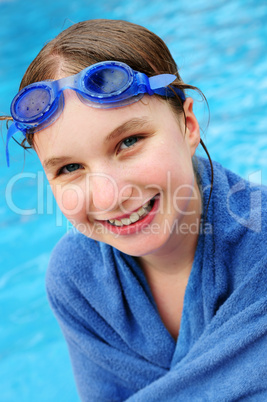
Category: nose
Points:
column 104, row 192
column 107, row 193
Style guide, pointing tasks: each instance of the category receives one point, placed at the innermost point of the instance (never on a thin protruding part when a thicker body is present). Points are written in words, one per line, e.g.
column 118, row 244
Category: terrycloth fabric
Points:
column 118, row 344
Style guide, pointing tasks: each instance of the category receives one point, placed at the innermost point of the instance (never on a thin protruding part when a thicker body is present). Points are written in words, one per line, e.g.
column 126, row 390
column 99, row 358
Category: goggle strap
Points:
column 11, row 131
column 168, row 92
column 161, row 81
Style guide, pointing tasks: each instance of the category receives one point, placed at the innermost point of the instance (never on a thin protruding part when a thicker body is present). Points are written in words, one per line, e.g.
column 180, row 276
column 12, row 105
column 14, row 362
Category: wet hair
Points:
column 93, row 41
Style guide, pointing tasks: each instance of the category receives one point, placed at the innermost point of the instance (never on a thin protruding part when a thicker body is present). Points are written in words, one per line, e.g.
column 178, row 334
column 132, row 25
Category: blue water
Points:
column 219, row 46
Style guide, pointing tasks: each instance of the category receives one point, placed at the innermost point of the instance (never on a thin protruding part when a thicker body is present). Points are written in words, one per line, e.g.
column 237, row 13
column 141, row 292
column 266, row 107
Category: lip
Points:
column 133, row 227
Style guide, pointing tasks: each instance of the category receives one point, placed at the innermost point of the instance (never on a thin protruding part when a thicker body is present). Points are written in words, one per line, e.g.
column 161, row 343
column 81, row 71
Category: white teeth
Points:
column 126, row 221
column 134, row 217
column 141, row 211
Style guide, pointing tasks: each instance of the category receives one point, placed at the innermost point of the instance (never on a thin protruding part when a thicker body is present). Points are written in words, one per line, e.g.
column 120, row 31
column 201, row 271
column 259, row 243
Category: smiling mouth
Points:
column 136, row 216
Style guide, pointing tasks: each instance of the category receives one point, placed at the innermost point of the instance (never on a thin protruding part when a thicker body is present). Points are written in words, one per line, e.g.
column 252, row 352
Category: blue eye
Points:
column 128, row 142
column 72, row 167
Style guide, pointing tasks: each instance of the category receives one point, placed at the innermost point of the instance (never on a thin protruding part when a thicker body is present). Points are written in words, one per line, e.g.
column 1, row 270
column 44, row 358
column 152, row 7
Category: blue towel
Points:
column 119, row 347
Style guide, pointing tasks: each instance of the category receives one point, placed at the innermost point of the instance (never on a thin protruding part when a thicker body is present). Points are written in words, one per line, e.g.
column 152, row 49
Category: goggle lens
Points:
column 107, row 82
column 32, row 103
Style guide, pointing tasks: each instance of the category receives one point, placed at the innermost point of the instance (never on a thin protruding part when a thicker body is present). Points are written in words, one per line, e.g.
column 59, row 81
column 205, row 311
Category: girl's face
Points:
column 123, row 176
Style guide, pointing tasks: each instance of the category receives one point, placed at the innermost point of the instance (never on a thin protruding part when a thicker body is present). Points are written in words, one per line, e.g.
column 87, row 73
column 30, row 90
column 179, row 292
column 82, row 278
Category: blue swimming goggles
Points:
column 107, row 84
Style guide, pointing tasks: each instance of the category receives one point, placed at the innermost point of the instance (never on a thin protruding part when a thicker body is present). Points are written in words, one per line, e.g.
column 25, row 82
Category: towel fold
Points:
column 119, row 347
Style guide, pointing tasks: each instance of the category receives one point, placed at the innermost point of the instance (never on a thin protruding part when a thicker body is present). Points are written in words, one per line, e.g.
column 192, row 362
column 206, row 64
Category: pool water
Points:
column 219, row 46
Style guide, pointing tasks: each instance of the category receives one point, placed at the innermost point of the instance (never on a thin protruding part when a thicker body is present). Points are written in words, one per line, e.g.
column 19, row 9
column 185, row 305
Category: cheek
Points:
column 71, row 200
column 170, row 173
column 165, row 165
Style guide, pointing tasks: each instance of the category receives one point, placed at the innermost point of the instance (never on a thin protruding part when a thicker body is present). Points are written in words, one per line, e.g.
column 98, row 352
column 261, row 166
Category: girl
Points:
column 160, row 289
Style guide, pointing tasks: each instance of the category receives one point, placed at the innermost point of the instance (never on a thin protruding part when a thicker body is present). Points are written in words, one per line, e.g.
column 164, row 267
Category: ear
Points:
column 192, row 126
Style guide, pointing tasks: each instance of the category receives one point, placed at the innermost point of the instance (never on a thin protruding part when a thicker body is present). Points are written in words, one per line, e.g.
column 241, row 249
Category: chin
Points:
column 145, row 245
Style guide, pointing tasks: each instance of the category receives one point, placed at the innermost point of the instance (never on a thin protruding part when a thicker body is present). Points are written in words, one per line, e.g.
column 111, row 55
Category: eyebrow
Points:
column 55, row 161
column 137, row 123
